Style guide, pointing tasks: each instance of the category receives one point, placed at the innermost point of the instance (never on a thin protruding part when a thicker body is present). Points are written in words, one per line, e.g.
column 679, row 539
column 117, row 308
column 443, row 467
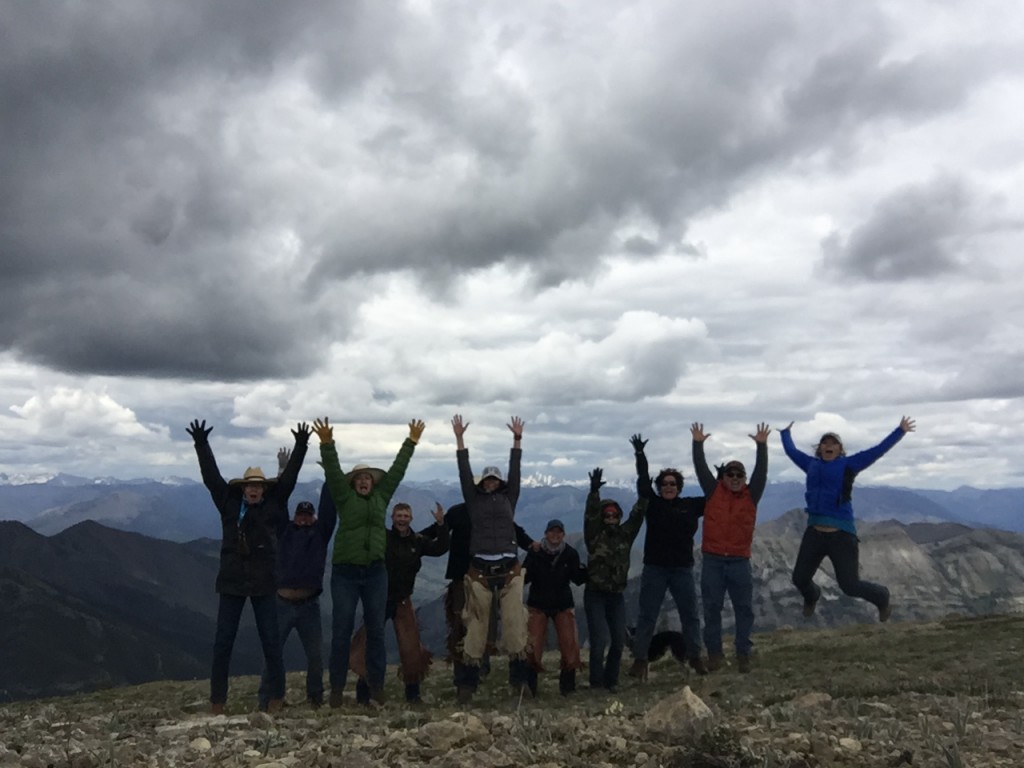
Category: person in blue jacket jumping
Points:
column 830, row 530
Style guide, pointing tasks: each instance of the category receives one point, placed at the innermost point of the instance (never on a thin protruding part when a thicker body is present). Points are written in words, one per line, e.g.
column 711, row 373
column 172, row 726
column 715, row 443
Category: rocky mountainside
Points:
column 934, row 694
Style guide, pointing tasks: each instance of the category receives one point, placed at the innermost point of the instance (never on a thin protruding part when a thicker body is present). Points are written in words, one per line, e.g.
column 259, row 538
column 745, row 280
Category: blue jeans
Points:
column 229, row 614
column 606, row 625
column 655, row 580
column 304, row 618
column 720, row 575
column 350, row 585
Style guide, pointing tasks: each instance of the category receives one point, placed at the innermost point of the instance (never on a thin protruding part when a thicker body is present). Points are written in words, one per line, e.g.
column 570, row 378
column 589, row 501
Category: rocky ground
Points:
column 945, row 694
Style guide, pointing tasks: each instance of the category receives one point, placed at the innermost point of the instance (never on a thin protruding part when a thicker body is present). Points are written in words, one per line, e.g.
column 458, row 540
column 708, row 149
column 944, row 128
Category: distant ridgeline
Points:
column 92, row 607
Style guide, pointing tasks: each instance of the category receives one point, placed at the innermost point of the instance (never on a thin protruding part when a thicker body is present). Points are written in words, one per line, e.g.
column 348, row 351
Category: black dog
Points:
column 661, row 642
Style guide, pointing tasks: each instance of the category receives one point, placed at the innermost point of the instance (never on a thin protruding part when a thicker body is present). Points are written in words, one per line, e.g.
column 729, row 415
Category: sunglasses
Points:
column 734, row 473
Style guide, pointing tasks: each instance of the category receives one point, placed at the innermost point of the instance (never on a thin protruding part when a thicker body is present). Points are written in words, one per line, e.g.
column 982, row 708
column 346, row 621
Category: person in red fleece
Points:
column 729, row 517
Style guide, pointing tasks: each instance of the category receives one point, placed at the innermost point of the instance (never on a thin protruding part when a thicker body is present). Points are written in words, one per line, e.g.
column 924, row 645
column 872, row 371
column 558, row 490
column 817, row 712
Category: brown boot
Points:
column 274, row 706
column 217, row 708
column 698, row 665
column 743, row 663
column 337, row 698
column 715, row 662
column 639, row 670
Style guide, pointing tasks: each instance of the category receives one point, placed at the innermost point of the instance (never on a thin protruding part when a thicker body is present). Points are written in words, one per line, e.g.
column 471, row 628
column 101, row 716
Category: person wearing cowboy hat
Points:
column 253, row 511
column 729, row 518
column 358, row 573
column 830, row 529
column 494, row 571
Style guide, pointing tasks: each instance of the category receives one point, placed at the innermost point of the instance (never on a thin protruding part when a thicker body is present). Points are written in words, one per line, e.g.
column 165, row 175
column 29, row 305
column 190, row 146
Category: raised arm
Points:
column 864, row 459
column 798, row 457
column 644, row 488
column 337, row 483
column 515, row 461
column 286, row 479
column 592, row 514
column 459, row 427
column 759, row 477
column 393, row 477
column 708, row 481
column 212, row 479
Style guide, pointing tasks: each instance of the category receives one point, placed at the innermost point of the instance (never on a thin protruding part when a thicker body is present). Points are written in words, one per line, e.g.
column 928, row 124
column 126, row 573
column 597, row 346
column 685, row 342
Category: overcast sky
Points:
column 604, row 217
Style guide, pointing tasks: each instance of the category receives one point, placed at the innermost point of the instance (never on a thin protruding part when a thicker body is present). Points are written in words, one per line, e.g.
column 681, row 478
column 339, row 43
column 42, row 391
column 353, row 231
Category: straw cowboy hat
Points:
column 374, row 472
column 252, row 475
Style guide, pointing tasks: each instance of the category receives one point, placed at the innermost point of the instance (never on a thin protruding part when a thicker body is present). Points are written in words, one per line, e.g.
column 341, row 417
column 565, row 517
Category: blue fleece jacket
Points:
column 830, row 483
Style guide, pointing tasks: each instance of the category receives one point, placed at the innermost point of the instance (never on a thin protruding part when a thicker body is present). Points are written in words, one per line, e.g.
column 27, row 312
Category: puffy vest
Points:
column 729, row 520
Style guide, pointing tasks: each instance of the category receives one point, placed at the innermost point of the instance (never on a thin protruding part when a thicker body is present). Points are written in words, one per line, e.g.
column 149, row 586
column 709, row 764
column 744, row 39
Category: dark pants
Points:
column 229, row 614
column 351, row 585
column 304, row 618
column 655, row 580
column 720, row 576
column 842, row 549
column 606, row 624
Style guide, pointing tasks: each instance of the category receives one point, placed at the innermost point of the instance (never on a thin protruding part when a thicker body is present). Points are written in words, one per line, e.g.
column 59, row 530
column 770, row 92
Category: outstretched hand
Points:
column 301, row 432
column 638, row 443
column 787, row 427
column 416, row 427
column 761, row 435
column 595, row 479
column 517, row 428
column 438, row 513
column 282, row 459
column 199, row 431
column 459, row 427
column 324, row 431
column 907, row 424
column 697, row 432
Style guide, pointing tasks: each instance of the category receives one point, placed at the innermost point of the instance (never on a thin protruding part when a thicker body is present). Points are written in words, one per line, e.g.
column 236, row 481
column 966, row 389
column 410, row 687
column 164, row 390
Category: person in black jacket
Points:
column 253, row 512
column 301, row 560
column 403, row 556
column 668, row 560
column 549, row 572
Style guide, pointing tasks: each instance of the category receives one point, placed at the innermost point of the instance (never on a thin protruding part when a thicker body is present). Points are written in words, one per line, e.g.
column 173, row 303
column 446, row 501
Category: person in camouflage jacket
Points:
column 609, row 542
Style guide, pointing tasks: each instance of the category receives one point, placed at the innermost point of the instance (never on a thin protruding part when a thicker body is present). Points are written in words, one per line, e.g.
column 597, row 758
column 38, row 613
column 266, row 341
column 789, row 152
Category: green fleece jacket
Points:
column 362, row 533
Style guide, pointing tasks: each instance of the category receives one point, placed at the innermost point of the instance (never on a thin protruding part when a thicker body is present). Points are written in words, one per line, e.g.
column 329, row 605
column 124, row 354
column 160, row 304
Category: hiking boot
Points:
column 531, row 682
column 698, row 665
column 217, row 708
column 464, row 694
column 809, row 608
column 274, row 706
column 743, row 663
column 378, row 697
column 412, row 693
column 638, row 670
column 337, row 698
column 362, row 692
column 715, row 662
column 885, row 611
column 567, row 682
column 315, row 701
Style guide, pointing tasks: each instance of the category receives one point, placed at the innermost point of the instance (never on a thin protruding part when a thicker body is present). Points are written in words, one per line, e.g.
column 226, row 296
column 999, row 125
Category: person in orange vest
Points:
column 730, row 513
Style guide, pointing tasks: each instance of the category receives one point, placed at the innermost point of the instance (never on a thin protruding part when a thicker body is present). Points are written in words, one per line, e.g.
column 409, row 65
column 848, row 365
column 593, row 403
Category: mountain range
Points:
column 92, row 605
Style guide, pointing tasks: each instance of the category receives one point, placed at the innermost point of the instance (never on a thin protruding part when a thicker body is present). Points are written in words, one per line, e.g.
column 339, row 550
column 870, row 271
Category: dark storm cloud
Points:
column 916, row 231
column 140, row 223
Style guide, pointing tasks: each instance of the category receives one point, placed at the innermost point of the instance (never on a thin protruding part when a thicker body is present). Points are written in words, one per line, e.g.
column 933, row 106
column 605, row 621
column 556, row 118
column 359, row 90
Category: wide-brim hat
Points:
column 494, row 472
column 252, row 475
column 376, row 473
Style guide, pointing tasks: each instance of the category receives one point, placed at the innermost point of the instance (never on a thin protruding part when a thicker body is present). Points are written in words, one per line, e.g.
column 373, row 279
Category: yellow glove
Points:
column 324, row 431
column 416, row 428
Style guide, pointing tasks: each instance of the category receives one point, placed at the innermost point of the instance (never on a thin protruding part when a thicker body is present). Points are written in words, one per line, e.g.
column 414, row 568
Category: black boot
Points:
column 567, row 682
column 531, row 681
column 362, row 692
column 412, row 693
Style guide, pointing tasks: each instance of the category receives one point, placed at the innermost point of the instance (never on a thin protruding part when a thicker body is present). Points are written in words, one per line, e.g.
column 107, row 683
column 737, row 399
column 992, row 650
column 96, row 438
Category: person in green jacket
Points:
column 358, row 573
column 609, row 542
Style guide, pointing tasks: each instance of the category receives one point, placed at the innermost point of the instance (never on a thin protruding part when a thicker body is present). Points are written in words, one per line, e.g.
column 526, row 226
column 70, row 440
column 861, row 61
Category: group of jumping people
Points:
column 278, row 564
